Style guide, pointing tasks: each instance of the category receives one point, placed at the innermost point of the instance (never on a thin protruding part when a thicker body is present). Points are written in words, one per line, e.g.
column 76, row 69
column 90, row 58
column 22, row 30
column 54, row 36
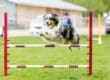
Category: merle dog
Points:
column 56, row 28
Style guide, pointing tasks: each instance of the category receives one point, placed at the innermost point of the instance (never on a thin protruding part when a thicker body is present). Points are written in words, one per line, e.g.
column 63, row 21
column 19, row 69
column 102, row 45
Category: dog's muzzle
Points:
column 48, row 23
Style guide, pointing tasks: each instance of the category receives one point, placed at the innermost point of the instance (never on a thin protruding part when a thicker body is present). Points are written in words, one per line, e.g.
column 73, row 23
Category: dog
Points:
column 58, row 30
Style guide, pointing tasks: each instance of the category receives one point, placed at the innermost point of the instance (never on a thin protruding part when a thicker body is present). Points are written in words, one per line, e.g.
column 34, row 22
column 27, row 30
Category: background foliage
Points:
column 97, row 6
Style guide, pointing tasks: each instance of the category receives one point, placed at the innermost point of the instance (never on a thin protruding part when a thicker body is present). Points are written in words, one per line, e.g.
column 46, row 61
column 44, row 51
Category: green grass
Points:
column 101, row 61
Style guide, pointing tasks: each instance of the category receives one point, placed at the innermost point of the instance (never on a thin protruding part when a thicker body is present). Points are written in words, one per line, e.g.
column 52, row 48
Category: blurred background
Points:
column 24, row 15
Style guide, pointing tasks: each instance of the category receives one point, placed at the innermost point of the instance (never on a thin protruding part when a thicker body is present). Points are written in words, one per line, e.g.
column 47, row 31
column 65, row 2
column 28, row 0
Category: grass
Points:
column 101, row 61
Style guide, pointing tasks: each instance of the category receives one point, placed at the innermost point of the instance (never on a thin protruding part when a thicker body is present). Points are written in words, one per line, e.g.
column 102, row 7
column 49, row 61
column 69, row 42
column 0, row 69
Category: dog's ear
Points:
column 56, row 18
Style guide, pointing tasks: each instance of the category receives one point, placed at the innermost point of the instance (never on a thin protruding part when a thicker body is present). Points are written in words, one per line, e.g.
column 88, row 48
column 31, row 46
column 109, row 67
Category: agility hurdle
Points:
column 6, row 46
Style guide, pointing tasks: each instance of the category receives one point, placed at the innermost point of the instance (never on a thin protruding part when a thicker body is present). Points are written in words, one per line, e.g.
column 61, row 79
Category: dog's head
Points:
column 50, row 20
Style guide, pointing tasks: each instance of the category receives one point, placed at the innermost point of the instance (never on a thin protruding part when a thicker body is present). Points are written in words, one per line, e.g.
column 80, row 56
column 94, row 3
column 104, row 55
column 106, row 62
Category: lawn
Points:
column 31, row 56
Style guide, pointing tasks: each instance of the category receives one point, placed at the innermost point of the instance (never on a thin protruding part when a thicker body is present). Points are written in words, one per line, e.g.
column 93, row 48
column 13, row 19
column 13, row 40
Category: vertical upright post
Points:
column 99, row 30
column 5, row 45
column 90, row 43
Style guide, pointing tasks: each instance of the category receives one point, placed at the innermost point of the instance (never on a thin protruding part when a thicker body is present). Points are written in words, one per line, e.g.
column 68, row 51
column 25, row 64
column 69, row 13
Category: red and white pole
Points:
column 5, row 44
column 90, row 42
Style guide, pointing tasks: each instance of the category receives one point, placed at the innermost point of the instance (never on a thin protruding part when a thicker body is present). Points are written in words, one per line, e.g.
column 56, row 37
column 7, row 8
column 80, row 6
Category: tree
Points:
column 107, row 3
column 97, row 6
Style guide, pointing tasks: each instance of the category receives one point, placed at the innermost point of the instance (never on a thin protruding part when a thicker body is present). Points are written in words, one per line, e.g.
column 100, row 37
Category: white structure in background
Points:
column 36, row 26
column 2, row 9
column 107, row 22
column 1, row 31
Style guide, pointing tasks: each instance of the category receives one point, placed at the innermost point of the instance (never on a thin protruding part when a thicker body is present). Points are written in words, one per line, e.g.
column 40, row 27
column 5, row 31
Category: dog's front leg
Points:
column 46, row 39
column 42, row 36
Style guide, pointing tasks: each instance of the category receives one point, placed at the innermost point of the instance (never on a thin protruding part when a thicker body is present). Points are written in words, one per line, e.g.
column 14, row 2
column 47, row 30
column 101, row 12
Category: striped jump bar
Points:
column 95, row 39
column 48, row 45
column 48, row 66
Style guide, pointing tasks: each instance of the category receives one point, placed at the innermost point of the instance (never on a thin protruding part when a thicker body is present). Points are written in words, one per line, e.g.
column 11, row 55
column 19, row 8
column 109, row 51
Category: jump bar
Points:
column 48, row 66
column 44, row 45
column 95, row 39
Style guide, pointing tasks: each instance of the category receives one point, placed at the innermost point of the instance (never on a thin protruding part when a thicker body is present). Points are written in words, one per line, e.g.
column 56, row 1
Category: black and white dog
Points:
column 57, row 30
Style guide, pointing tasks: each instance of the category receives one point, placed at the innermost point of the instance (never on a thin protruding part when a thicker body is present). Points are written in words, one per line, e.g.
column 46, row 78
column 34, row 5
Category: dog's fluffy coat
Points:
column 55, row 28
